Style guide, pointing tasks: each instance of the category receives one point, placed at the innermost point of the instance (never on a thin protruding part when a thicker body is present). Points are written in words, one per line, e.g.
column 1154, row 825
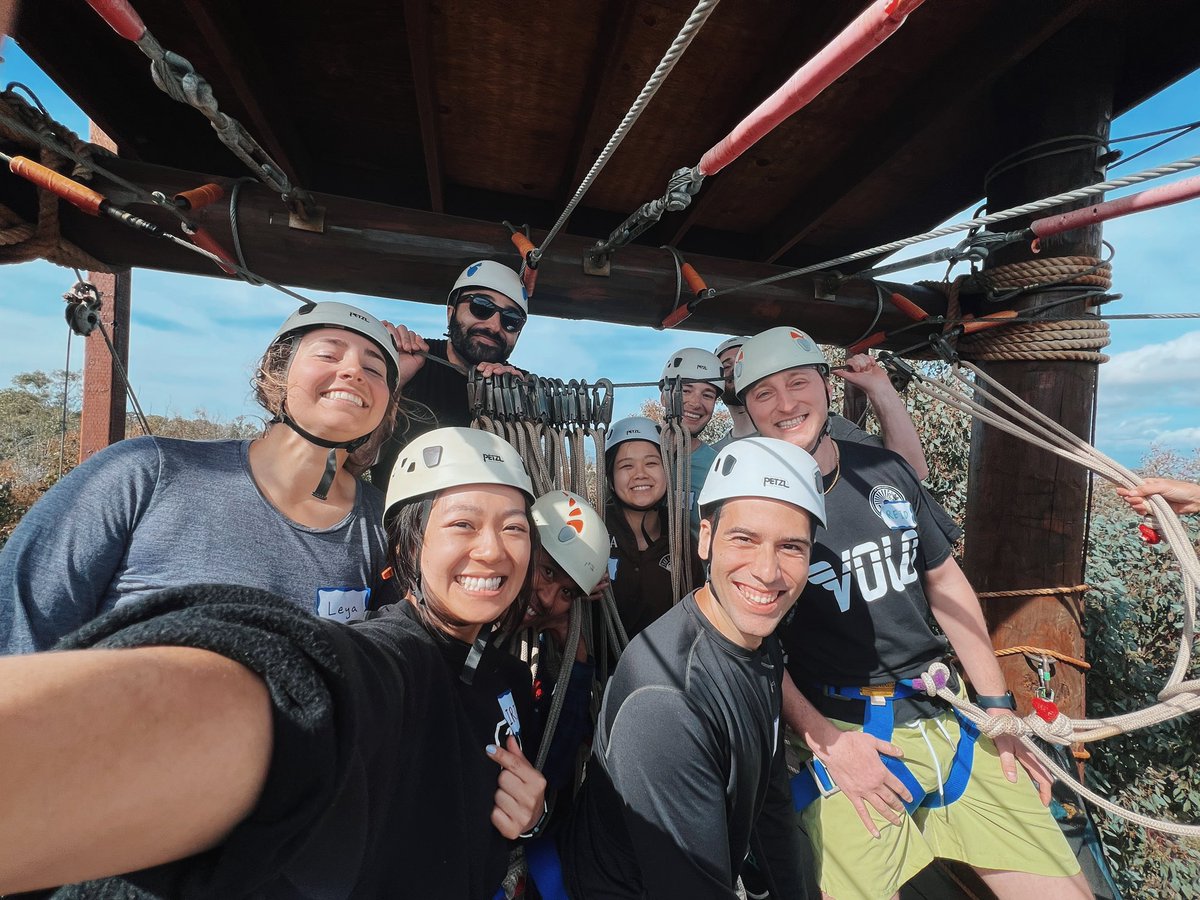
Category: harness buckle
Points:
column 826, row 786
column 879, row 694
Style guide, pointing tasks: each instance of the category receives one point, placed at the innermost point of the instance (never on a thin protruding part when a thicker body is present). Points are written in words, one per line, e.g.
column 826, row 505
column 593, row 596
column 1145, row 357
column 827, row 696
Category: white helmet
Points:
column 495, row 277
column 730, row 344
column 574, row 535
column 351, row 318
column 775, row 350
column 633, row 428
column 453, row 457
column 769, row 468
column 693, row 364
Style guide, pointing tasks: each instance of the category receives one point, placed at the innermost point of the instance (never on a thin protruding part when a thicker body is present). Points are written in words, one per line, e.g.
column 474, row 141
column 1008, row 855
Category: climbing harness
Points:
column 879, row 721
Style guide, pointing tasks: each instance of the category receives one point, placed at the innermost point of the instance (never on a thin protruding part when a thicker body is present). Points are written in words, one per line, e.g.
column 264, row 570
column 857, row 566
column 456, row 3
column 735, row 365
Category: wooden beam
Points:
column 604, row 64
column 416, row 26
column 241, row 67
column 1026, row 528
column 965, row 72
column 385, row 251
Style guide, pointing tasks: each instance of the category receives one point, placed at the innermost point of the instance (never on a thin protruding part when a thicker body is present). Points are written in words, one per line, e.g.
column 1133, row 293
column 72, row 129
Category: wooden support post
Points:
column 1028, row 508
column 102, row 421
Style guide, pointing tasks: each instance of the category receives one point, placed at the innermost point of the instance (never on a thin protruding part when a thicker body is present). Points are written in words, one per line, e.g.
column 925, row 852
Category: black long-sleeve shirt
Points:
column 687, row 772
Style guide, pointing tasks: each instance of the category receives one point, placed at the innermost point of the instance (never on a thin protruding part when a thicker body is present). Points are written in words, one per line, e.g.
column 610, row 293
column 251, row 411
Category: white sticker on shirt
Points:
column 508, row 706
column 775, row 743
column 898, row 515
column 343, row 604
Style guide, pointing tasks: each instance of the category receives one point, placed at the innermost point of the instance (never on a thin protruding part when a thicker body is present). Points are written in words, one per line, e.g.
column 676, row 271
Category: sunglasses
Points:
column 484, row 307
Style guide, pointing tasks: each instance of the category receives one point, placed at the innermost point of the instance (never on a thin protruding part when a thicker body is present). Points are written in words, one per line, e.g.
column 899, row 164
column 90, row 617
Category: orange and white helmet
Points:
column 574, row 535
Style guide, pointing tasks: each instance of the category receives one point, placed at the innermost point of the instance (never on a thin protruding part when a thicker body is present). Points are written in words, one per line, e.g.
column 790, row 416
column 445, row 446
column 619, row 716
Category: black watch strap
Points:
column 1002, row 701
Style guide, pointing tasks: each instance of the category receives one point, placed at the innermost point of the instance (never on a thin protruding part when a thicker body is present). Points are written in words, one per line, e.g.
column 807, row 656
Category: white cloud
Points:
column 1162, row 372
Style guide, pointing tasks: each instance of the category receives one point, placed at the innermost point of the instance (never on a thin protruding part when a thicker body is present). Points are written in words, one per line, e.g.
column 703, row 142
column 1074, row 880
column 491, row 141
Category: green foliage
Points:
column 1132, row 625
column 716, row 428
column 35, row 448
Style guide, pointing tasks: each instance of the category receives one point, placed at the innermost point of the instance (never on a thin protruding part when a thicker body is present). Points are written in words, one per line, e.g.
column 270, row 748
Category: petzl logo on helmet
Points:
column 492, row 457
column 777, row 482
column 355, row 315
column 472, row 269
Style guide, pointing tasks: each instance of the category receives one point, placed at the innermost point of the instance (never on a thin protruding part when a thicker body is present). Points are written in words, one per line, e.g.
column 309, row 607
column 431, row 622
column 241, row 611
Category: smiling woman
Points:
column 151, row 513
column 249, row 749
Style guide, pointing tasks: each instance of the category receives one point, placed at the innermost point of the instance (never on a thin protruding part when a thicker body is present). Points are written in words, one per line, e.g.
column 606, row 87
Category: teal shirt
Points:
column 702, row 460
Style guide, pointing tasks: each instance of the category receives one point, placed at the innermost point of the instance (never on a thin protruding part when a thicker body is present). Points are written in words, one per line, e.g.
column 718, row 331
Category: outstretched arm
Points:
column 116, row 760
column 898, row 432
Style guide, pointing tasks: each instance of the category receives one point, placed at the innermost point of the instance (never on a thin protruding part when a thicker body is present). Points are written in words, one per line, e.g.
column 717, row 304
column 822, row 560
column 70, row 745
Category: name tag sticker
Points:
column 343, row 604
column 508, row 706
column 898, row 515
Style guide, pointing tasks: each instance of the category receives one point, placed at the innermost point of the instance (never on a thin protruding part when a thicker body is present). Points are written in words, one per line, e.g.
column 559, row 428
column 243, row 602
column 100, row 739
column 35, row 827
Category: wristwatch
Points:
column 1002, row 701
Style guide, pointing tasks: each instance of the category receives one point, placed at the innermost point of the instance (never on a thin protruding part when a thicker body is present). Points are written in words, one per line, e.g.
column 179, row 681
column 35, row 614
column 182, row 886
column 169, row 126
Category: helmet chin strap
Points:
column 331, row 462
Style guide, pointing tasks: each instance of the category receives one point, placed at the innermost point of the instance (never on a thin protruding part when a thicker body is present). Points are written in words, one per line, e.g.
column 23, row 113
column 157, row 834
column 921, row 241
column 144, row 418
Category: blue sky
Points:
column 195, row 340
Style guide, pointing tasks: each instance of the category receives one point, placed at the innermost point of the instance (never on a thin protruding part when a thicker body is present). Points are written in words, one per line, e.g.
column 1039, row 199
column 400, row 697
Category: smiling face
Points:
column 759, row 553
column 727, row 359
column 639, row 480
column 481, row 340
column 475, row 555
column 337, row 384
column 699, row 400
column 553, row 593
column 791, row 405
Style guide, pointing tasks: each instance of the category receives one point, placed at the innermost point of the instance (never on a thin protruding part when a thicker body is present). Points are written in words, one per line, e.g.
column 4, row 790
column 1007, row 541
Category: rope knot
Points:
column 933, row 679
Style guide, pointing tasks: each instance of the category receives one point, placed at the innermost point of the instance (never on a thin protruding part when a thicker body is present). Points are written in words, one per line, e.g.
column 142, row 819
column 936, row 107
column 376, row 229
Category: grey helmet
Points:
column 454, row 457
column 766, row 468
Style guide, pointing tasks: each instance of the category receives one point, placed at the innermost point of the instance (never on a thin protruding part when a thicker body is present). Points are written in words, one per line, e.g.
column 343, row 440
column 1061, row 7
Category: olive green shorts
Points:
column 995, row 824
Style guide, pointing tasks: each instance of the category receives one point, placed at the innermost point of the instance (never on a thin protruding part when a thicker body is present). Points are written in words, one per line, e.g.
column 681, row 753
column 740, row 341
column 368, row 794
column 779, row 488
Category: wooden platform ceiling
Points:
column 494, row 110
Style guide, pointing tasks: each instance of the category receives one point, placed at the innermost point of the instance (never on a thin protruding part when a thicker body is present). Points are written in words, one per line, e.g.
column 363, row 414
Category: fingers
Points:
column 408, row 341
column 1039, row 774
column 490, row 369
column 520, row 791
column 899, row 793
column 865, row 816
column 887, row 749
column 1008, row 762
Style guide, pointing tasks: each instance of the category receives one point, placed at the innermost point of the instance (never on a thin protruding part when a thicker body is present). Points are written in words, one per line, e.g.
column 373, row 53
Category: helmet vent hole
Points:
column 566, row 534
column 728, row 464
column 432, row 456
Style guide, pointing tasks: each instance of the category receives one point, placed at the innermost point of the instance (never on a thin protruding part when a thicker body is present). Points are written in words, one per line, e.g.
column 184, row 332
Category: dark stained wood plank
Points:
column 416, row 24
column 958, row 77
column 229, row 40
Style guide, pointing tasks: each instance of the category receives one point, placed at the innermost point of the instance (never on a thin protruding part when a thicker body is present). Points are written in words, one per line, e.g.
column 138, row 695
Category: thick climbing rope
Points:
column 1030, row 651
column 978, row 222
column 1036, row 592
column 985, row 398
column 689, row 30
column 676, row 445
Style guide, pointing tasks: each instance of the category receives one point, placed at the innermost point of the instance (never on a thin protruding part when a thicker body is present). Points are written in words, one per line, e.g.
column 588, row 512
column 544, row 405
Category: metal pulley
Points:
column 83, row 308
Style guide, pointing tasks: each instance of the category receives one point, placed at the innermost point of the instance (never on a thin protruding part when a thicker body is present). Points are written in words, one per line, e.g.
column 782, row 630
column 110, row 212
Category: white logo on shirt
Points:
column 872, row 566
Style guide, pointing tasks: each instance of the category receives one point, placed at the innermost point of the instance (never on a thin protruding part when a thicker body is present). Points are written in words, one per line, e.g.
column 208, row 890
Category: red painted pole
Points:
column 874, row 26
column 1164, row 195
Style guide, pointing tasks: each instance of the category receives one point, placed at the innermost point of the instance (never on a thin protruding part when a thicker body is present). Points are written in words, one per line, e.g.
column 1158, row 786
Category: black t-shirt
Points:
column 641, row 579
column 863, row 617
column 442, row 395
column 379, row 784
column 687, row 772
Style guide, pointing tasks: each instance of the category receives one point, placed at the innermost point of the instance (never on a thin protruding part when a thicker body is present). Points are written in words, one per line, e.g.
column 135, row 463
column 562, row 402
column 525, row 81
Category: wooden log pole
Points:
column 1027, row 509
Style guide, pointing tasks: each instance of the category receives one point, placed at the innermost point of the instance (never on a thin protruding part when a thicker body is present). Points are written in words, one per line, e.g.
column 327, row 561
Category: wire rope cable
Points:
column 689, row 30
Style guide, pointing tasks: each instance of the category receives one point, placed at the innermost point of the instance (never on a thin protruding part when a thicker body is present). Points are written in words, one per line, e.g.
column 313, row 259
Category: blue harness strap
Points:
column 545, row 868
column 879, row 721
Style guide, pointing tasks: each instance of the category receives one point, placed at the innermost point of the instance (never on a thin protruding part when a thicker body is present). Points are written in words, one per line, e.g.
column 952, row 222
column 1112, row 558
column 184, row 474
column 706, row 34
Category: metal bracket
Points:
column 314, row 222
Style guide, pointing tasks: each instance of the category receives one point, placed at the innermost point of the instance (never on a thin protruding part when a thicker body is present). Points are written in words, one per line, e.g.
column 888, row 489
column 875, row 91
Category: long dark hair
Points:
column 406, row 526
